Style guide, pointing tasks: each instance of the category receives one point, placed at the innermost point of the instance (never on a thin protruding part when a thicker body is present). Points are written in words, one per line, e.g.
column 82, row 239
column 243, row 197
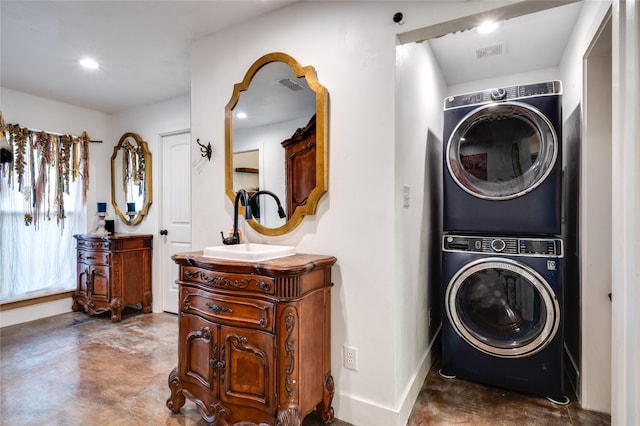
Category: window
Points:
column 39, row 216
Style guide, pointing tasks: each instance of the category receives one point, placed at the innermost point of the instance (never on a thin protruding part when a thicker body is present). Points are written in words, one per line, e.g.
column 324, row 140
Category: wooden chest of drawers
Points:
column 114, row 271
column 254, row 339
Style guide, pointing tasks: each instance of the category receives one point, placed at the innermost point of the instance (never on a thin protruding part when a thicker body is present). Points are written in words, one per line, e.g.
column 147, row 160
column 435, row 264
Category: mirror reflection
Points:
column 131, row 179
column 275, row 135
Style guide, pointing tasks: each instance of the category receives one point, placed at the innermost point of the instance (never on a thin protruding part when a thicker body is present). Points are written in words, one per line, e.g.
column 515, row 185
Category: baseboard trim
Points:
column 415, row 386
column 358, row 411
column 15, row 304
column 29, row 312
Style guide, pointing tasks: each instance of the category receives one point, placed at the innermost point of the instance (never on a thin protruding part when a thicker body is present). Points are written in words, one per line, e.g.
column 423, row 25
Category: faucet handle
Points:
column 229, row 240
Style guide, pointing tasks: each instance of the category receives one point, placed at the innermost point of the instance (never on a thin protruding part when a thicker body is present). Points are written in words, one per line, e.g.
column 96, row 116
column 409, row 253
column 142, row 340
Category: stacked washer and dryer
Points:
column 502, row 255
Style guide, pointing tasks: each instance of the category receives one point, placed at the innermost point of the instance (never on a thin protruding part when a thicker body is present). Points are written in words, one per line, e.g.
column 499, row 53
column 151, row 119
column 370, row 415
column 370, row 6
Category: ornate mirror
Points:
column 131, row 179
column 276, row 142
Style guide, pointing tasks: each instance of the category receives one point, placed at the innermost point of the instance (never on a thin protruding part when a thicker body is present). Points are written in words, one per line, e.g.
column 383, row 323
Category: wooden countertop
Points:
column 289, row 265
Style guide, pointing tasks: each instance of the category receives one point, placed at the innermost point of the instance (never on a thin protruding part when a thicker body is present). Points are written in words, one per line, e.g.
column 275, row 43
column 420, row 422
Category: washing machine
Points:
column 502, row 316
column 502, row 160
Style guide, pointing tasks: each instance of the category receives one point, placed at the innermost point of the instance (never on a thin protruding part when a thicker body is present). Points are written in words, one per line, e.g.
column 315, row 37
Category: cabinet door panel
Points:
column 98, row 286
column 84, row 272
column 198, row 357
column 249, row 377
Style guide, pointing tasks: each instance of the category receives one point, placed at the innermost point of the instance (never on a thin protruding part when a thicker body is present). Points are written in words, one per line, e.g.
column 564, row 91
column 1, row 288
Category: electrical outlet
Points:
column 351, row 358
column 430, row 313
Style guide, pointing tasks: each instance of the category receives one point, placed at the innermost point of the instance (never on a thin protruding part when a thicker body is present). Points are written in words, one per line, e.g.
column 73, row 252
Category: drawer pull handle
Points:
column 189, row 274
column 89, row 257
column 263, row 285
column 218, row 308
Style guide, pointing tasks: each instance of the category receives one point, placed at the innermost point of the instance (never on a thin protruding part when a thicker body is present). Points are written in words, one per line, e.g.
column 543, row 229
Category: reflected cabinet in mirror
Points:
column 276, row 142
column 131, row 179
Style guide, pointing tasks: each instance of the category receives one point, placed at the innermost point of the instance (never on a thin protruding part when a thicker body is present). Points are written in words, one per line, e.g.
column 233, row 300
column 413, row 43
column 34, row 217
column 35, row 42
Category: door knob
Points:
column 163, row 232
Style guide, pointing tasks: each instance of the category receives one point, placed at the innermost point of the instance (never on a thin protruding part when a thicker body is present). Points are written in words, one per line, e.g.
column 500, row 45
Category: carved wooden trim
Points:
column 290, row 346
column 176, row 400
column 288, row 287
column 222, row 280
column 289, row 417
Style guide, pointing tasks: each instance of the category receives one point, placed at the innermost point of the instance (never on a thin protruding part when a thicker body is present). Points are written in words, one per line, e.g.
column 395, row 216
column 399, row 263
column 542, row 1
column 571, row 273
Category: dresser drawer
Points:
column 244, row 282
column 94, row 257
column 236, row 311
column 93, row 245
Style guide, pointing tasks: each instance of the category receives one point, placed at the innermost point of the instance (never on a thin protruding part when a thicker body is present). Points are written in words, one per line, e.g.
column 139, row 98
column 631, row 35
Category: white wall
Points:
column 150, row 122
column 595, row 366
column 420, row 90
column 352, row 47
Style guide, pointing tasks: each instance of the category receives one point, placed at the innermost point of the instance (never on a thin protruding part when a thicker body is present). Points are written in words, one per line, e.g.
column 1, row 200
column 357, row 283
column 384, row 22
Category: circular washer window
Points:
column 502, row 308
column 502, row 151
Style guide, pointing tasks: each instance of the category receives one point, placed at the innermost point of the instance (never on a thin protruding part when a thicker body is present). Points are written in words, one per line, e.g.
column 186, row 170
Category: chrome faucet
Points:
column 241, row 196
column 253, row 200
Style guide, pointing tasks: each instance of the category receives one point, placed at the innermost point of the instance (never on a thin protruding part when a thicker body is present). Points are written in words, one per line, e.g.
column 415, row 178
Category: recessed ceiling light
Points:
column 89, row 63
column 241, row 115
column 487, row 27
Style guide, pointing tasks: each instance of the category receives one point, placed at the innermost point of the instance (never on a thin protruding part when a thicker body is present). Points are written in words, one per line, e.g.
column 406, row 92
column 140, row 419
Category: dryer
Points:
column 502, row 160
column 502, row 315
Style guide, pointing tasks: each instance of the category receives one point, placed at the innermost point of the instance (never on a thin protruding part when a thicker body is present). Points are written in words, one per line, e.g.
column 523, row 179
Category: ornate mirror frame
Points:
column 143, row 152
column 309, row 208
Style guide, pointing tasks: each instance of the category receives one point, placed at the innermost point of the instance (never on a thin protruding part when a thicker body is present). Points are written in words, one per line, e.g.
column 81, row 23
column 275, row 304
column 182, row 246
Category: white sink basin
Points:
column 249, row 252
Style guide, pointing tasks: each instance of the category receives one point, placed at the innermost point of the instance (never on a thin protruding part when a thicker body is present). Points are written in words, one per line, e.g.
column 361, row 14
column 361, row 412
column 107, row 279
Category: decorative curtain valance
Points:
column 42, row 167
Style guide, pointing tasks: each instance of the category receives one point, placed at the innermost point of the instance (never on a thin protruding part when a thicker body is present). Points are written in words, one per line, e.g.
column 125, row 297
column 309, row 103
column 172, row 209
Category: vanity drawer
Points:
column 94, row 257
column 236, row 311
column 244, row 282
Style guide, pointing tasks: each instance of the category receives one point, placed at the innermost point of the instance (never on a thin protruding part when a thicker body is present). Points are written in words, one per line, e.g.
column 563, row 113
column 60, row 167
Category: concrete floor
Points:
column 74, row 369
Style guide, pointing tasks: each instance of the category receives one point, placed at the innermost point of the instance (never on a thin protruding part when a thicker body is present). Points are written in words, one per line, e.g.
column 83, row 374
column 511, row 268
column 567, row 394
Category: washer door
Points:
column 501, row 151
column 502, row 308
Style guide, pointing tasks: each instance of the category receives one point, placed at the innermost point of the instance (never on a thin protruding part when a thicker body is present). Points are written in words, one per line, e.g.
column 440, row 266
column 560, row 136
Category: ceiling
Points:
column 525, row 43
column 144, row 47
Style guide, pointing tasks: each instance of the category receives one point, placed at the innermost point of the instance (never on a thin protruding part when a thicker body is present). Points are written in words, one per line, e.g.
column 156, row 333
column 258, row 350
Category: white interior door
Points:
column 175, row 224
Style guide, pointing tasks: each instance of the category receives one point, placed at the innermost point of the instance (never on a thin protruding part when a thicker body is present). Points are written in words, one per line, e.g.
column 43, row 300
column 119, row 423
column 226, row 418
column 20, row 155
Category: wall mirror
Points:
column 276, row 141
column 131, row 179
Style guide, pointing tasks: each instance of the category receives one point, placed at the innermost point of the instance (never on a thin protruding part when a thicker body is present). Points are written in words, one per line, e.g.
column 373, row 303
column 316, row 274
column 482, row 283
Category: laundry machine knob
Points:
column 498, row 94
column 498, row 245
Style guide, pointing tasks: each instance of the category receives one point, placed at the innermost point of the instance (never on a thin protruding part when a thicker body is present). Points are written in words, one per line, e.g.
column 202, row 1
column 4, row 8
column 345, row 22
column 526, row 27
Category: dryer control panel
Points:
column 507, row 93
column 504, row 245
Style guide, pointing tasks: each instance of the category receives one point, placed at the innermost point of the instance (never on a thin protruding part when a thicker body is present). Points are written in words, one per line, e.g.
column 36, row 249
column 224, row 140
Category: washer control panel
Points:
column 503, row 245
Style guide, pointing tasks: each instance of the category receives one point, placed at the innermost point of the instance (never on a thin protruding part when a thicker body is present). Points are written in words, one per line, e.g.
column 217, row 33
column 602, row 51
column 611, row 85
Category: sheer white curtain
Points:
column 38, row 261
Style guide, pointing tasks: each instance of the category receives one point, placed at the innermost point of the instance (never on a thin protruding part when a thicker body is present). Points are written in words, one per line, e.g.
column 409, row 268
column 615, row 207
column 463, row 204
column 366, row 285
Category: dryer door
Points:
column 502, row 308
column 501, row 151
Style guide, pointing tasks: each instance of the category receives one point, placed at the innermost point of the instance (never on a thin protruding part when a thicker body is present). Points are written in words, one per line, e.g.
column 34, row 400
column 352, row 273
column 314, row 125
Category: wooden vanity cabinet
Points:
column 254, row 339
column 114, row 271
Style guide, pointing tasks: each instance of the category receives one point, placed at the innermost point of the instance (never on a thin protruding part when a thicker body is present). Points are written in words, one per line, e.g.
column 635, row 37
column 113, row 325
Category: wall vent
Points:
column 291, row 84
column 494, row 50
